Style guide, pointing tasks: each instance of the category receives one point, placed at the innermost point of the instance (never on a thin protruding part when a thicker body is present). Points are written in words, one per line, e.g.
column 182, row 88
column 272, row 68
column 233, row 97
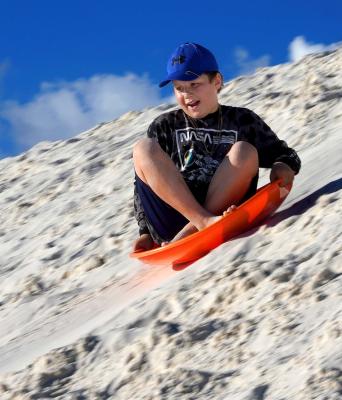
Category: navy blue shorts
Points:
column 163, row 221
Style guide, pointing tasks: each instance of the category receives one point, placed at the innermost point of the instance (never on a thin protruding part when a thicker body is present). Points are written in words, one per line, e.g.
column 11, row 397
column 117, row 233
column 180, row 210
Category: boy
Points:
column 202, row 159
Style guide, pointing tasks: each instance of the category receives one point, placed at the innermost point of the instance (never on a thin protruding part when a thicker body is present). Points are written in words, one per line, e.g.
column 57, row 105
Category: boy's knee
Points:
column 145, row 147
column 244, row 153
column 245, row 149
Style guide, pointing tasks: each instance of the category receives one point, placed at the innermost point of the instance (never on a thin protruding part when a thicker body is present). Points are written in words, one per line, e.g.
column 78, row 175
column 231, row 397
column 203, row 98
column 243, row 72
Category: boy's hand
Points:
column 283, row 172
column 144, row 242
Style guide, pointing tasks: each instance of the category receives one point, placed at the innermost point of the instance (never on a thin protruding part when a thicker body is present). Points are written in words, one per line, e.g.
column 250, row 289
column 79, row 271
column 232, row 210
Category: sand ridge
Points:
column 258, row 318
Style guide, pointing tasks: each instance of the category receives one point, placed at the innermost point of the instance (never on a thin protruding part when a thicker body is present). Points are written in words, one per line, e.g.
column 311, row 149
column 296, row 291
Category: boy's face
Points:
column 198, row 98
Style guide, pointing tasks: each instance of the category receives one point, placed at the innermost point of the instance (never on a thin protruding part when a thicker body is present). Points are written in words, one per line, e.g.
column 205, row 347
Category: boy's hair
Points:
column 212, row 75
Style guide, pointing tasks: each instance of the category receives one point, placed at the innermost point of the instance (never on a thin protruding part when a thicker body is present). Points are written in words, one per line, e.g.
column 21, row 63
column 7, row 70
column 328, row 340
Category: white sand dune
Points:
column 258, row 318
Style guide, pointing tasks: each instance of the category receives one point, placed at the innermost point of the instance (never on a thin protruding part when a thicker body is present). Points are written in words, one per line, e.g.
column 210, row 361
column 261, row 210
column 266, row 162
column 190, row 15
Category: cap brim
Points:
column 164, row 83
column 180, row 76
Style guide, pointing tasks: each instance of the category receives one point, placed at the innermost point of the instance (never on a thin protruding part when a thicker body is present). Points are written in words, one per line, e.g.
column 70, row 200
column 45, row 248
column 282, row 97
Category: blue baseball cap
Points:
column 188, row 62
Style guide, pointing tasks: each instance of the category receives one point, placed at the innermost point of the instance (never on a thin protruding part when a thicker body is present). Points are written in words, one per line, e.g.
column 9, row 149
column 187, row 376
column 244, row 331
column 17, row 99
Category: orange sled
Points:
column 266, row 200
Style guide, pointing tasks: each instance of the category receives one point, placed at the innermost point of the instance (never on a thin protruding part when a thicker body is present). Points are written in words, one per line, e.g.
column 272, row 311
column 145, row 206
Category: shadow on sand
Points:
column 305, row 204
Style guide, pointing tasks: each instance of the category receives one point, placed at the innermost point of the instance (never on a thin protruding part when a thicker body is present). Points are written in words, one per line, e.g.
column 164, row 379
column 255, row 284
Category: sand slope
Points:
column 258, row 318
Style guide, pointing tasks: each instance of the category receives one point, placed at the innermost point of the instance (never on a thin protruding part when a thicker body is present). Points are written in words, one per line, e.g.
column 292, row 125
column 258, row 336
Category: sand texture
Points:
column 259, row 318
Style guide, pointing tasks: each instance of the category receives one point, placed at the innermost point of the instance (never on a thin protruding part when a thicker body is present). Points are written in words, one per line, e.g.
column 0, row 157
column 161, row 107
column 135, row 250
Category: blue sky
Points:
column 67, row 65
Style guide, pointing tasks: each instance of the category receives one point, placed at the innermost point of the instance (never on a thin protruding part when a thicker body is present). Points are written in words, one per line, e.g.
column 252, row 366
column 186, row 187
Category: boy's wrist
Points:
column 280, row 163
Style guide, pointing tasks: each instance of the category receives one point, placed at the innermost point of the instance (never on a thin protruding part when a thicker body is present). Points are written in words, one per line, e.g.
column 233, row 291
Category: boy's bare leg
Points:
column 156, row 169
column 230, row 182
column 232, row 178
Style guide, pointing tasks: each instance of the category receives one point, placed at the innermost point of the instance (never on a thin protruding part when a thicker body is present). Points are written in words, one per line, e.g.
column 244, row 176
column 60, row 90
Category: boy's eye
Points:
column 193, row 85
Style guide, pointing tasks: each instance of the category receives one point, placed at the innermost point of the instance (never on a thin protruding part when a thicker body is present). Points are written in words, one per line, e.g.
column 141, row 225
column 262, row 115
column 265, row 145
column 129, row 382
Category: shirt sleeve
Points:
column 270, row 148
column 160, row 129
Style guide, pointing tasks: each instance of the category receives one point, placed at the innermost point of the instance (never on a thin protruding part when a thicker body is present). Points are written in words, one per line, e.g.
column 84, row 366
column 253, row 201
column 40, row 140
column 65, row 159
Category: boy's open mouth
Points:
column 193, row 104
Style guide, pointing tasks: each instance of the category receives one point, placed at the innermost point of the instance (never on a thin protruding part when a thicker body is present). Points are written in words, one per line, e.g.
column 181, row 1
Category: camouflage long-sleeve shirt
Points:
column 197, row 149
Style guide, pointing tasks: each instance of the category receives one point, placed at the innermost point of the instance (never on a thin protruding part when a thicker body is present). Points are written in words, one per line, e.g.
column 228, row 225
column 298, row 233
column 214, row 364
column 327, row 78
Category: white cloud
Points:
column 63, row 109
column 299, row 48
column 246, row 64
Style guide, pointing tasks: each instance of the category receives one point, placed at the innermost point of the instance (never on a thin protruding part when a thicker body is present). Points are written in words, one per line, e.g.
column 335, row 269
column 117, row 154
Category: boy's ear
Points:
column 218, row 81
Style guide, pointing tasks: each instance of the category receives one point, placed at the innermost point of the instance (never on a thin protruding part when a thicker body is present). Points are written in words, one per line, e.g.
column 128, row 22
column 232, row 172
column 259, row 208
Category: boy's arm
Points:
column 139, row 213
column 144, row 241
column 273, row 152
column 283, row 172
column 154, row 131
column 158, row 129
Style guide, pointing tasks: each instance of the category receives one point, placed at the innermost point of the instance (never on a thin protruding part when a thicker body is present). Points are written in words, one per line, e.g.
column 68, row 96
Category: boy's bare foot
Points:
column 144, row 242
column 229, row 210
column 190, row 228
column 184, row 232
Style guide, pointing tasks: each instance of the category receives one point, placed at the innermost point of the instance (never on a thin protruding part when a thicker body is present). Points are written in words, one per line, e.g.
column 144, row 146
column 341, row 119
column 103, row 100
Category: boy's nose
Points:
column 188, row 90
